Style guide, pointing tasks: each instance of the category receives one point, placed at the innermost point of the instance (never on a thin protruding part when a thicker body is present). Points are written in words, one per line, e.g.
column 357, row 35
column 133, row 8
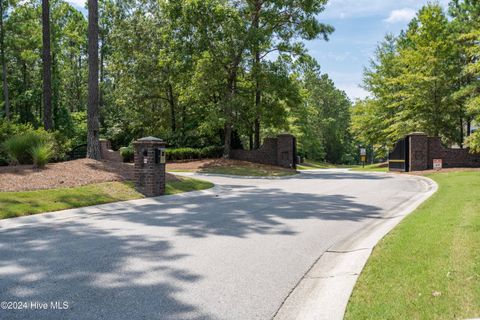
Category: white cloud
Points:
column 401, row 15
column 368, row 8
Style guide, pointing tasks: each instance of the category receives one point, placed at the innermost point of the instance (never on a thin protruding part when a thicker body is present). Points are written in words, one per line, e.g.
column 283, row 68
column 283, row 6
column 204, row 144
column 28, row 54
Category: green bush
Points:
column 212, row 152
column 7, row 130
column 41, row 154
column 127, row 153
column 20, row 147
column 194, row 153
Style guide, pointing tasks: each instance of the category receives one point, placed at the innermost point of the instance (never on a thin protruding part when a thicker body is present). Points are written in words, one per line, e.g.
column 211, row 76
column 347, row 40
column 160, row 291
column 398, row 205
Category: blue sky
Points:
column 359, row 26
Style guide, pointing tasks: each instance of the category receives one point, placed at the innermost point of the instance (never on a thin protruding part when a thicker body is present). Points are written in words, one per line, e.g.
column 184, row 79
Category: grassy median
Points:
column 429, row 266
column 14, row 204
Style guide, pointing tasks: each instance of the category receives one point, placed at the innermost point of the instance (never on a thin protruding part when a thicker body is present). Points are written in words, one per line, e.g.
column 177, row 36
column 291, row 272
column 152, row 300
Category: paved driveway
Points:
column 234, row 252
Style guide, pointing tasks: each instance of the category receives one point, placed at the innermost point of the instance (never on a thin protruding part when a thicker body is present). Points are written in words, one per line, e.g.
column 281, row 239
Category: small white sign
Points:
column 437, row 164
column 145, row 160
column 363, row 151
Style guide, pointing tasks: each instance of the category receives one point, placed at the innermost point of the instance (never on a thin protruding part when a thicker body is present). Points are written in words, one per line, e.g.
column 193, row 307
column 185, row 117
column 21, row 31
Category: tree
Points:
column 3, row 7
column 466, row 28
column 277, row 26
column 93, row 142
column 413, row 79
column 47, row 67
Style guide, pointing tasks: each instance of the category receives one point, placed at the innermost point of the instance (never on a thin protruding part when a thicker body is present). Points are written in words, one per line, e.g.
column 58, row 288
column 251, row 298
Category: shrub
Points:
column 41, row 154
column 127, row 153
column 194, row 153
column 212, row 152
column 9, row 129
column 20, row 147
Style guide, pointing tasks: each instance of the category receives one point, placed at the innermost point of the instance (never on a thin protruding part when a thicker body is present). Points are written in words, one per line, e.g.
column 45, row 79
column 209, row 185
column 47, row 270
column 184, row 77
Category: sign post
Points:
column 363, row 156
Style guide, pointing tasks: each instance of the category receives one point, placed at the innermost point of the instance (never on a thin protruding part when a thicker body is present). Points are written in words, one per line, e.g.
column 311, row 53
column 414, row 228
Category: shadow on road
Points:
column 107, row 269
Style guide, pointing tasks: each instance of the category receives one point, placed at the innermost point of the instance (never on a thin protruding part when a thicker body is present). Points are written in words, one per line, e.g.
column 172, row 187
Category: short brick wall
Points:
column 279, row 151
column 107, row 153
column 451, row 157
column 423, row 150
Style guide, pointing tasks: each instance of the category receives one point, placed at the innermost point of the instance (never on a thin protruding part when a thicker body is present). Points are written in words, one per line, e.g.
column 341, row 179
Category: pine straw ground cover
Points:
column 230, row 167
column 65, row 174
column 73, row 184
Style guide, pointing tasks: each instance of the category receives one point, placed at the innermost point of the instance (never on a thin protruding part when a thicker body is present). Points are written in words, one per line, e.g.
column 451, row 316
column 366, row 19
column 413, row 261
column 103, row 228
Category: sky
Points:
column 359, row 26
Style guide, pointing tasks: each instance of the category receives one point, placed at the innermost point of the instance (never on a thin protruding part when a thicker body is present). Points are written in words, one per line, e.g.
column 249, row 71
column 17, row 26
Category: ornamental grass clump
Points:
column 41, row 154
column 32, row 147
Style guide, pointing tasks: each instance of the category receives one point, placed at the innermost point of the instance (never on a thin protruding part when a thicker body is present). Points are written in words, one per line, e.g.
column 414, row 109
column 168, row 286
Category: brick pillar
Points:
column 149, row 167
column 286, row 151
column 418, row 151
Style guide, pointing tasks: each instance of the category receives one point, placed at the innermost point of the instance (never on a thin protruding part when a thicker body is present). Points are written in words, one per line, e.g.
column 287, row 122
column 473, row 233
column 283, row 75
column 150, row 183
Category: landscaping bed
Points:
column 65, row 174
column 230, row 166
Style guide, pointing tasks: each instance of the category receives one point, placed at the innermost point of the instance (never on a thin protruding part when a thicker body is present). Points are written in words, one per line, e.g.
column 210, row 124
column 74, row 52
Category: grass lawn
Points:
column 14, row 204
column 376, row 167
column 254, row 170
column 429, row 266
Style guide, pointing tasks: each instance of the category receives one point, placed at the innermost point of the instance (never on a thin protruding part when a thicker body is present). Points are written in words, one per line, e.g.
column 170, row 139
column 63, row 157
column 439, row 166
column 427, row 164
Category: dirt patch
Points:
column 65, row 174
column 198, row 165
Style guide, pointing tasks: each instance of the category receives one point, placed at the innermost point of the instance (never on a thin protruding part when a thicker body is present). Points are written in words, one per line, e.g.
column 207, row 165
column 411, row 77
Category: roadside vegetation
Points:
column 432, row 65
column 15, row 204
column 428, row 267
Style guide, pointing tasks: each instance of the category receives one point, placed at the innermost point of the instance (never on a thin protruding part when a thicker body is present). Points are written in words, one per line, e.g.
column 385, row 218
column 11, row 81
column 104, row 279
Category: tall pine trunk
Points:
column 257, row 74
column 258, row 100
column 47, row 67
column 4, row 63
column 93, row 142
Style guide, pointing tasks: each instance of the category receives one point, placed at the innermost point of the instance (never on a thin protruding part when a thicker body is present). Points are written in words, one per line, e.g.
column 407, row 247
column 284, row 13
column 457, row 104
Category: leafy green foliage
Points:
column 194, row 73
column 30, row 147
column 422, row 80
column 41, row 154
column 194, row 153
column 127, row 153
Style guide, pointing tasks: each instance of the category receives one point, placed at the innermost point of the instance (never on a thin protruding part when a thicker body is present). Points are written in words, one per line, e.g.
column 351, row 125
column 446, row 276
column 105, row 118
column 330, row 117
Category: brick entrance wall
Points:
column 424, row 149
column 279, row 151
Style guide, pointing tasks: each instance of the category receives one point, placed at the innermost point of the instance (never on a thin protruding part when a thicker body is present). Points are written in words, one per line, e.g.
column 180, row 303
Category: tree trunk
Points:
column 93, row 142
column 257, row 72
column 47, row 67
column 461, row 133
column 4, row 64
column 171, row 102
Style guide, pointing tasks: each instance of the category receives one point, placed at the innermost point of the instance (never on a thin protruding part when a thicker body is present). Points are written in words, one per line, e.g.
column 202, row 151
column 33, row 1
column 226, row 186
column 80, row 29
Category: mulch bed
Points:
column 65, row 174
column 210, row 163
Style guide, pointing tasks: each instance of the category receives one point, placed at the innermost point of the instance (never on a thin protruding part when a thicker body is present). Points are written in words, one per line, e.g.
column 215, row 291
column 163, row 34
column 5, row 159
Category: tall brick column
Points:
column 418, row 151
column 149, row 169
column 286, row 151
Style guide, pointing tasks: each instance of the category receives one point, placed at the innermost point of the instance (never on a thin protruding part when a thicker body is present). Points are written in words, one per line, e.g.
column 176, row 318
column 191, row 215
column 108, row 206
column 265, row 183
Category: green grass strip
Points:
column 429, row 266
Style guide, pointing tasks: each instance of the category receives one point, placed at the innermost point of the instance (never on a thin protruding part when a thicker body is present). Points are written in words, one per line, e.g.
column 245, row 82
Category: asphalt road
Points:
column 234, row 253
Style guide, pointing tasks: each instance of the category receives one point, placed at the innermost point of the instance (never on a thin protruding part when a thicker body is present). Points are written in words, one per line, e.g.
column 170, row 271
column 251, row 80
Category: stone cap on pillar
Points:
column 149, row 140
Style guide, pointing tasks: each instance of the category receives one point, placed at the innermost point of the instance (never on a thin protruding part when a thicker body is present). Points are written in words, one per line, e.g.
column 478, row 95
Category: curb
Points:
column 325, row 289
